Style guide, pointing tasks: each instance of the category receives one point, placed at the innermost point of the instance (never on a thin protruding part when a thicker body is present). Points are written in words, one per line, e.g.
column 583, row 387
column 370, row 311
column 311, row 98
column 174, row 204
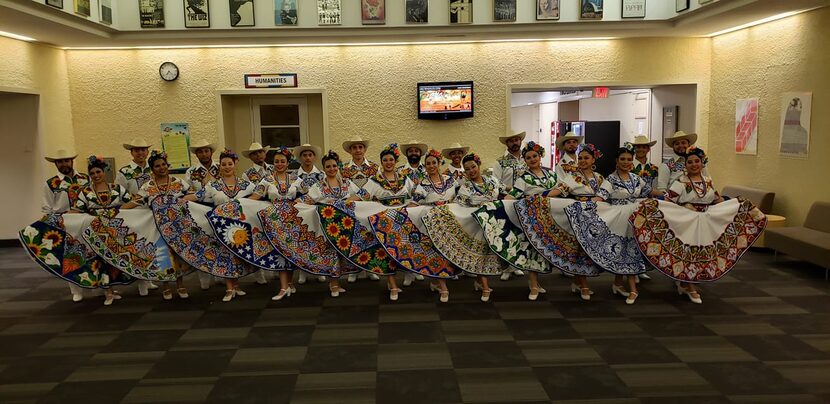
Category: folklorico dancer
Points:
column 642, row 167
column 132, row 177
column 61, row 192
column 207, row 170
column 310, row 175
column 509, row 167
column 672, row 168
column 566, row 145
column 413, row 150
column 358, row 170
column 280, row 185
column 256, row 173
column 454, row 154
column 197, row 177
column 256, row 153
column 102, row 198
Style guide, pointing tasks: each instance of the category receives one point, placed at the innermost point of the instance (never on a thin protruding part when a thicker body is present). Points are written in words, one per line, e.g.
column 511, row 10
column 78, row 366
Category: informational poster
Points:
column 175, row 140
column 746, row 126
column 796, row 109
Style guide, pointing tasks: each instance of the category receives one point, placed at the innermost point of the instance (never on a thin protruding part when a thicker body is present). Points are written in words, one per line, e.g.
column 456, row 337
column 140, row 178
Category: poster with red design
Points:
column 746, row 126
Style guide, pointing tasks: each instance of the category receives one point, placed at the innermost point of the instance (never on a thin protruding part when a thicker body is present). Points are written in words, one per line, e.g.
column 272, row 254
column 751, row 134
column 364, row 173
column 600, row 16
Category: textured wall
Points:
column 764, row 62
column 117, row 94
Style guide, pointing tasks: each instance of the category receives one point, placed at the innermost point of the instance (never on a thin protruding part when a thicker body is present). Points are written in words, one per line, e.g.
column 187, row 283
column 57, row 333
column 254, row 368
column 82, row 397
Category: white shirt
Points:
column 308, row 178
column 390, row 192
column 257, row 173
column 132, row 176
column 321, row 192
column 472, row 194
column 565, row 167
column 685, row 191
column 61, row 192
column 359, row 174
column 149, row 190
column 276, row 190
column 92, row 202
column 197, row 176
column 217, row 192
column 508, row 168
column 427, row 193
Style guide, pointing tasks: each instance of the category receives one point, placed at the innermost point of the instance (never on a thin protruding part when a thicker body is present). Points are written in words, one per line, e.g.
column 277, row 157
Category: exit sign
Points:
column 601, row 92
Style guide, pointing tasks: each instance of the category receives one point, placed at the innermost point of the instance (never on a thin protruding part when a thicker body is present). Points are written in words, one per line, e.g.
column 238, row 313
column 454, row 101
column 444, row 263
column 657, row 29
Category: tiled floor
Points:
column 761, row 336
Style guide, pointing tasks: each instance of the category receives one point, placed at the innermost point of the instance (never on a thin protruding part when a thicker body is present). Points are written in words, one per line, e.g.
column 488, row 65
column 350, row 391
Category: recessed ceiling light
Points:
column 757, row 22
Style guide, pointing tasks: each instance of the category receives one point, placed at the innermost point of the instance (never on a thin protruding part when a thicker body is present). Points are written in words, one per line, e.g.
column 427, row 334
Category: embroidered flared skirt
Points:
column 295, row 231
column 185, row 228
column 506, row 238
column 605, row 234
column 403, row 234
column 691, row 246
column 460, row 239
column 131, row 242
column 238, row 228
column 547, row 229
column 54, row 243
column 346, row 227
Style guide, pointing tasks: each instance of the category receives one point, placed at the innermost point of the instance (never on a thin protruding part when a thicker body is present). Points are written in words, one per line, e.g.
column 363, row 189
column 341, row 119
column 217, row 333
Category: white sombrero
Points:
column 137, row 144
column 453, row 147
column 61, row 154
column 641, row 140
column 568, row 136
column 691, row 137
column 254, row 147
column 347, row 145
column 202, row 144
column 511, row 135
column 414, row 143
column 300, row 149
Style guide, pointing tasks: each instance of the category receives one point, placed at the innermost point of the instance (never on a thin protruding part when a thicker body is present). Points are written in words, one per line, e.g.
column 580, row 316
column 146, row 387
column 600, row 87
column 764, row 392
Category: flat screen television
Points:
column 445, row 100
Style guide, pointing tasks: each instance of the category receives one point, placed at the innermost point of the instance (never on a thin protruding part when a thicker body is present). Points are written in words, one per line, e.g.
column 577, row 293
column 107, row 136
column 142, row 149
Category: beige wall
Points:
column 18, row 135
column 117, row 94
column 764, row 62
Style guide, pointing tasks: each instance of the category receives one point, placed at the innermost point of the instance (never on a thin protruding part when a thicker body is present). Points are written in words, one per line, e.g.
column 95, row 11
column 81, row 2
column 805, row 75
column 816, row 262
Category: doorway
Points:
column 23, row 171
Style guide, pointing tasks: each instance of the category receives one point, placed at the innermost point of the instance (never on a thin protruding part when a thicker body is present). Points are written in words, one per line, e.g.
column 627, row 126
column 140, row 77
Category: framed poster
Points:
column 547, row 9
column 633, row 8
column 151, row 13
column 746, row 126
column 55, row 3
column 417, row 11
column 796, row 111
column 504, row 10
column 242, row 13
column 328, row 12
column 285, row 12
column 373, row 12
column 461, row 11
column 196, row 13
column 106, row 12
column 82, row 7
column 590, row 10
column 175, row 140
column 681, row 5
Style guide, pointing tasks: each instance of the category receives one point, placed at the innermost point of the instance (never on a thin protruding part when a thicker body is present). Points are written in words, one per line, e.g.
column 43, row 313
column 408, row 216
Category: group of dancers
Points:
column 376, row 219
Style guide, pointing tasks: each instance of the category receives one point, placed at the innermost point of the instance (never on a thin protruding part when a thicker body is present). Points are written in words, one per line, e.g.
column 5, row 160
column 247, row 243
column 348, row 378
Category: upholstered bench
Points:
column 810, row 242
column 761, row 198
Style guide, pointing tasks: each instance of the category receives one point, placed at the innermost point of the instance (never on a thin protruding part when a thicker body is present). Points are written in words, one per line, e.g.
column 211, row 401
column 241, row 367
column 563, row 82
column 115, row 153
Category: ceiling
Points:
column 62, row 29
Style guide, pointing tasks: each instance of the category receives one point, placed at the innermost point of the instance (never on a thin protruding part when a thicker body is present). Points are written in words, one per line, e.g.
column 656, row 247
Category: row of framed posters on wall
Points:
column 373, row 12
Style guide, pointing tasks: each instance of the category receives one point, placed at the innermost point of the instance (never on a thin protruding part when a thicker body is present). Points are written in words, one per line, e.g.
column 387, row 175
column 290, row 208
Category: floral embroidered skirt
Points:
column 54, row 243
column 295, row 231
column 691, row 246
column 547, row 229
column 506, row 238
column 403, row 234
column 460, row 239
column 606, row 236
column 185, row 227
column 131, row 242
column 346, row 227
column 237, row 226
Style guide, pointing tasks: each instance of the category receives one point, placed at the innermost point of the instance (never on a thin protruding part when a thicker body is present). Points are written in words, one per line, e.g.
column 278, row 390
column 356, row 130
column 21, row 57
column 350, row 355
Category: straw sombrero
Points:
column 61, row 154
column 254, row 147
column 640, row 140
column 347, row 145
column 414, row 143
column 201, row 144
column 300, row 149
column 560, row 142
column 691, row 137
column 137, row 144
column 453, row 147
column 512, row 134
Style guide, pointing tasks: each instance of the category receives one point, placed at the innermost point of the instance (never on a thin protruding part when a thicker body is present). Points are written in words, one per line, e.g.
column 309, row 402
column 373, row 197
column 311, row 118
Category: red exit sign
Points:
column 600, row 92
